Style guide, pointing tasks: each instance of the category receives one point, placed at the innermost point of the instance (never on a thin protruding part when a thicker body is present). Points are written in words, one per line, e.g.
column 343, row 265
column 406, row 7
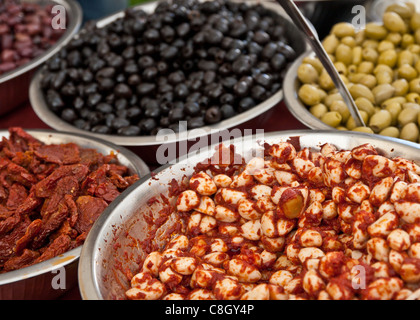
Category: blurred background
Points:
column 323, row 14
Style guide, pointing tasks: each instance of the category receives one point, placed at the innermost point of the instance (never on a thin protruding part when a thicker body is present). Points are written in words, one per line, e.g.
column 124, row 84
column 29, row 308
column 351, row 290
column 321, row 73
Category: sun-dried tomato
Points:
column 50, row 196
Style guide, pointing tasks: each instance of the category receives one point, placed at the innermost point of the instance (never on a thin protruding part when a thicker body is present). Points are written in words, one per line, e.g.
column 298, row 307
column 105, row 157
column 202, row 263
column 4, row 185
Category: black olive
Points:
column 68, row 115
column 192, row 108
column 104, row 107
column 145, row 88
column 147, row 125
column 101, row 129
column 129, row 131
column 196, row 122
column 122, row 90
column 213, row 115
column 227, row 111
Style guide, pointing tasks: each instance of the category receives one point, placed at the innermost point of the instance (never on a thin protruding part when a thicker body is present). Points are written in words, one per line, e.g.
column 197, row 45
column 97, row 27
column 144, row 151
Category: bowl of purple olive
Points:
column 182, row 65
column 30, row 33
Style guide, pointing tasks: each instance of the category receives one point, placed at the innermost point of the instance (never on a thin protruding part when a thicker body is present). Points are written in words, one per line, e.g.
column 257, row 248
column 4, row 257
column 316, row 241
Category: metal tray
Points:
column 14, row 85
column 36, row 282
column 110, row 251
column 47, row 116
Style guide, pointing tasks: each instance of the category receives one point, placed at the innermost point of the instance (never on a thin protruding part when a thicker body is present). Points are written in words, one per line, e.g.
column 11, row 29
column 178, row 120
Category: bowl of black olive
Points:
column 169, row 65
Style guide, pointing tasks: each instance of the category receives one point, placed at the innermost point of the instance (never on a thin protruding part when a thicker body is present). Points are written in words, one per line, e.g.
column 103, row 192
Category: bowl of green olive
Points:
column 380, row 66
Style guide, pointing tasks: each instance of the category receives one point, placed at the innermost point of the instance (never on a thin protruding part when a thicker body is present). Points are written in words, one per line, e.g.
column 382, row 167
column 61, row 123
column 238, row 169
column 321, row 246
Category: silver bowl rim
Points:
column 75, row 16
column 73, row 254
column 87, row 263
column 40, row 107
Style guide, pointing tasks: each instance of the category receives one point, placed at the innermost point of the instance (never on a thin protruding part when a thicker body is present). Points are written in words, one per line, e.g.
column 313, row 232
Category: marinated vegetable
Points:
column 300, row 223
column 50, row 196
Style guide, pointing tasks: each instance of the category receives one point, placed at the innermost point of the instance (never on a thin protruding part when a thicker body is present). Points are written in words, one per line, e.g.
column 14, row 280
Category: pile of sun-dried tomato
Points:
column 50, row 196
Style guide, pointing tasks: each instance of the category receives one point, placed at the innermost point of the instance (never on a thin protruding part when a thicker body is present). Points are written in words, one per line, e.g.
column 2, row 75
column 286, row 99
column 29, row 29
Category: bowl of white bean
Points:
column 293, row 215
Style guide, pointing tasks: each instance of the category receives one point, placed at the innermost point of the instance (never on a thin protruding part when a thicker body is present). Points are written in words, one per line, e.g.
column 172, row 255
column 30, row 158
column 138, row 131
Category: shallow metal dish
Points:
column 37, row 281
column 110, row 250
column 14, row 85
column 50, row 118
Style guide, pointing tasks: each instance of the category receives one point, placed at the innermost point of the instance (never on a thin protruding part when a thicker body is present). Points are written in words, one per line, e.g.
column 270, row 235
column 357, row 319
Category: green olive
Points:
column 380, row 120
column 363, row 129
column 418, row 119
column 307, row 74
column 370, row 54
column 341, row 107
column 415, row 21
column 328, row 100
column 385, row 45
column 394, row 37
column 407, row 72
column 318, row 110
column 411, row 105
column 375, row 31
column 368, row 80
column 384, row 77
column 400, row 100
column 357, row 55
column 359, row 90
column 401, row 87
column 343, row 29
column 332, row 118
column 413, row 97
column 401, row 8
column 330, row 43
column 325, row 81
column 309, row 94
column 314, row 62
column 365, row 67
column 405, row 57
column 388, row 57
column 394, row 109
column 410, row 132
column 341, row 67
column 407, row 40
column 417, row 35
column 351, row 123
column 383, row 92
column 350, row 41
column 415, row 86
column 393, row 22
column 407, row 115
column 343, row 54
column 393, row 132
column 365, row 105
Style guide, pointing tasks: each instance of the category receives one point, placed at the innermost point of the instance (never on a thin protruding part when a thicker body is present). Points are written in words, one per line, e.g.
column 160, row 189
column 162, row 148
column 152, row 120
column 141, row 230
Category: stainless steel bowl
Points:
column 53, row 277
column 14, row 85
column 47, row 116
column 110, row 250
column 291, row 86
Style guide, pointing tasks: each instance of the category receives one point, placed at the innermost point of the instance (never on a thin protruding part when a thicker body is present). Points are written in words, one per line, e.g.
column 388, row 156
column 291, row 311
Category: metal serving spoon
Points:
column 293, row 11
